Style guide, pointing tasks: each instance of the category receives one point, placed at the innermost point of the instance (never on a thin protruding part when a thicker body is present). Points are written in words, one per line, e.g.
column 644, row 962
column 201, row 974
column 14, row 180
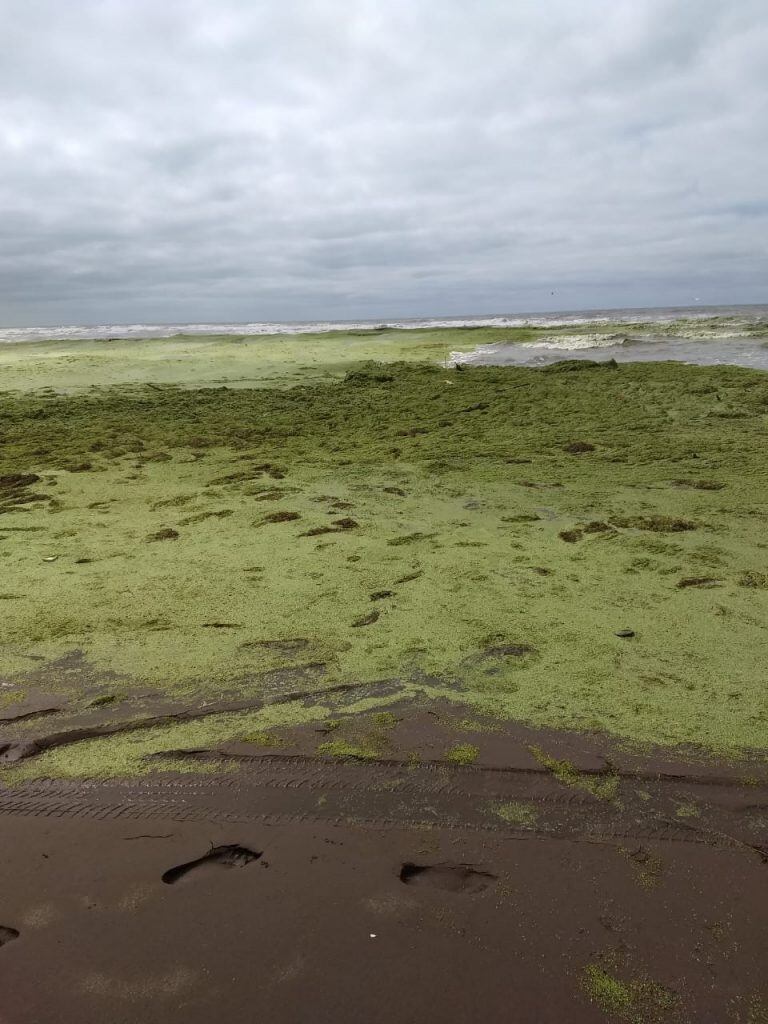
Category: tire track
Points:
column 374, row 796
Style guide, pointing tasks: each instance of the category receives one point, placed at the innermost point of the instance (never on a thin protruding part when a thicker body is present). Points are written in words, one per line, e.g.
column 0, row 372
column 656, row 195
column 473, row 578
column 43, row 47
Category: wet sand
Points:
column 586, row 884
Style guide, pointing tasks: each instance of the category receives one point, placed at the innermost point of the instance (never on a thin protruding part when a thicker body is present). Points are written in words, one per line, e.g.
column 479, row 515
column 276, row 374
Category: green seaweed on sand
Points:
column 93, row 601
column 344, row 748
column 635, row 1001
column 646, row 865
column 262, row 739
column 462, row 754
column 687, row 809
column 366, row 735
column 515, row 812
column 604, row 786
column 142, row 753
column 384, row 720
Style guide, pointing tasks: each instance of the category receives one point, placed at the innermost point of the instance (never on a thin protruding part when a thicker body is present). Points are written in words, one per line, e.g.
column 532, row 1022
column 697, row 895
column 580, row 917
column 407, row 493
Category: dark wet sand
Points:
column 384, row 891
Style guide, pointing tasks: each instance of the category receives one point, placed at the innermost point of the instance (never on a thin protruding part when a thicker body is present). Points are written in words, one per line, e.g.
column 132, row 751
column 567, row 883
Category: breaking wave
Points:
column 575, row 342
column 698, row 321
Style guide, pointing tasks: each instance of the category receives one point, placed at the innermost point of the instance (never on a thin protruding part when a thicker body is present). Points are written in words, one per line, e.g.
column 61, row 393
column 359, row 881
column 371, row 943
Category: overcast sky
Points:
column 228, row 160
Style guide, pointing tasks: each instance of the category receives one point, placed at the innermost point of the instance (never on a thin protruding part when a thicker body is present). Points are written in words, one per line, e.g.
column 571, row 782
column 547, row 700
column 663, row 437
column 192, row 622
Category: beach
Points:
column 486, row 599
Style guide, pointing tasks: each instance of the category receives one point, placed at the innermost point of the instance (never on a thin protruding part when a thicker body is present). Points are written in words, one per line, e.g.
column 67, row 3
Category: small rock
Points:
column 624, row 633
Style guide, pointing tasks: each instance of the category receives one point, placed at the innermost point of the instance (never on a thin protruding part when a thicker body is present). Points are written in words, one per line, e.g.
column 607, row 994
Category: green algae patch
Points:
column 515, row 812
column 262, row 739
column 222, row 360
column 366, row 733
column 343, row 748
column 604, row 787
column 612, row 995
column 687, row 809
column 384, row 720
column 637, row 1002
column 647, row 867
column 260, row 586
column 462, row 753
column 143, row 752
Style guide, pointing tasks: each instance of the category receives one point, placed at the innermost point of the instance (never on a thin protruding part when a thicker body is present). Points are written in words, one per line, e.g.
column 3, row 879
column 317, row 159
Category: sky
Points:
column 248, row 160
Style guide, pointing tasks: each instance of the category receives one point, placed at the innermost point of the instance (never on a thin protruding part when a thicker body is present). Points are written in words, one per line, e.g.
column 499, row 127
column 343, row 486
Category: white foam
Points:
column 737, row 317
column 576, row 342
column 104, row 331
column 481, row 354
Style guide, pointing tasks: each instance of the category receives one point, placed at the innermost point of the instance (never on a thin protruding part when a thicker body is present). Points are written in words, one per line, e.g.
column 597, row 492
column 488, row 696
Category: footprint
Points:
column 449, row 877
column 7, row 934
column 217, row 857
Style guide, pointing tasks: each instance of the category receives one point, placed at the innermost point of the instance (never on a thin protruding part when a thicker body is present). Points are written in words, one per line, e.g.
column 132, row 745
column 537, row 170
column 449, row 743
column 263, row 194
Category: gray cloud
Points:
column 194, row 160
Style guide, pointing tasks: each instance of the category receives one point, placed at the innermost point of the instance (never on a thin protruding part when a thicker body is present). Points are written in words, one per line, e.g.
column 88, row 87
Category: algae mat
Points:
column 482, row 535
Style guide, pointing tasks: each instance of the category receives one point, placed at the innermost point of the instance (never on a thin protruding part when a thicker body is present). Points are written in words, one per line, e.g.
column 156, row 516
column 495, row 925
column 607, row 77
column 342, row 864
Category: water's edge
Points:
column 735, row 319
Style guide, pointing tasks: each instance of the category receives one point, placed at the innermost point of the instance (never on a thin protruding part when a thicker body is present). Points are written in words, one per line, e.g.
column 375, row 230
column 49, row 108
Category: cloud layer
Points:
column 232, row 160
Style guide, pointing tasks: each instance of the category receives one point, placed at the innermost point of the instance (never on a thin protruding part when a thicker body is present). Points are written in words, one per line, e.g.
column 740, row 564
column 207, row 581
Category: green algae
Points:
column 384, row 720
column 221, row 360
column 457, row 469
column 687, row 809
column 636, row 1001
column 515, row 812
column 647, row 867
column 367, row 733
column 262, row 739
column 139, row 753
column 612, row 995
column 462, row 753
column 285, row 361
column 604, row 787
column 343, row 748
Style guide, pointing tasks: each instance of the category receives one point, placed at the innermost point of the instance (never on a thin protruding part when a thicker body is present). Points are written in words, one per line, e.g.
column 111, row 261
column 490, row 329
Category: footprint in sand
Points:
column 233, row 856
column 7, row 934
column 448, row 877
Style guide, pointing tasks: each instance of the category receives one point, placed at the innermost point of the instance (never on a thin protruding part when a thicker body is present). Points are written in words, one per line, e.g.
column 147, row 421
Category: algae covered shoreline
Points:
column 195, row 360
column 482, row 535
